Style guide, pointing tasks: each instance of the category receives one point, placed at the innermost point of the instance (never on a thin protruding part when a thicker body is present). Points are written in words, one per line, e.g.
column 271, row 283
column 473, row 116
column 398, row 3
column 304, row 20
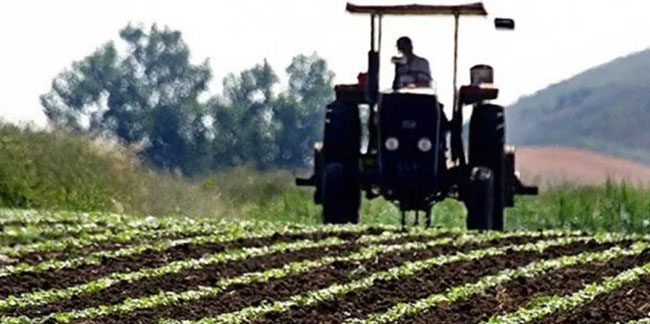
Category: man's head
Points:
column 405, row 45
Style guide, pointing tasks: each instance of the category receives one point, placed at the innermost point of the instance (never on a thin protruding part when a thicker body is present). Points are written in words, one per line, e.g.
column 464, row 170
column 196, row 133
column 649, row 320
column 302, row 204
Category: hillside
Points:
column 605, row 109
column 556, row 165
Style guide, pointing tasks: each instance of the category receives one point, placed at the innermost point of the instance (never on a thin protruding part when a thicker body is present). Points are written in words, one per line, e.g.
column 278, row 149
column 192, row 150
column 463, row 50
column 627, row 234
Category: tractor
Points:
column 414, row 155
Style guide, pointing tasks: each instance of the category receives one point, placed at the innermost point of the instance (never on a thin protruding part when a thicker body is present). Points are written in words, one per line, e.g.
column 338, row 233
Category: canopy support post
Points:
column 457, row 150
column 456, row 16
column 372, row 33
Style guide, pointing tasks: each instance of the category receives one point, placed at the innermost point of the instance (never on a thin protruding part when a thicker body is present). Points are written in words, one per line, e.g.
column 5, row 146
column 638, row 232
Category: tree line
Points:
column 150, row 97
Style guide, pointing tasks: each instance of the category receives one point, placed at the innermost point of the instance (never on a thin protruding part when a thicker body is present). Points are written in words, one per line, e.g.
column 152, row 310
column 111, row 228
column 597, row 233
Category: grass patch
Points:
column 612, row 207
column 61, row 171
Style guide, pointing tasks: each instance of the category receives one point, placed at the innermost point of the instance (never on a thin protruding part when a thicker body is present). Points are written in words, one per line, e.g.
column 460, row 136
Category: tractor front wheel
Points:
column 341, row 194
column 487, row 149
column 480, row 199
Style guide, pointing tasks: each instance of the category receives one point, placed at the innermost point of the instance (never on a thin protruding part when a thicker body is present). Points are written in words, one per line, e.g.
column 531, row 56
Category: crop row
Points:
column 402, row 271
column 41, row 297
column 222, row 234
column 13, row 235
column 134, row 242
column 81, row 229
column 143, row 230
column 166, row 298
column 27, row 233
column 41, row 217
column 226, row 234
column 463, row 292
column 133, row 234
column 48, row 296
column 545, row 305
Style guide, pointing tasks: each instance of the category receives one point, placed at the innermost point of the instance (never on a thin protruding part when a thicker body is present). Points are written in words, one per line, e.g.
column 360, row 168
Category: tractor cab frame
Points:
column 408, row 159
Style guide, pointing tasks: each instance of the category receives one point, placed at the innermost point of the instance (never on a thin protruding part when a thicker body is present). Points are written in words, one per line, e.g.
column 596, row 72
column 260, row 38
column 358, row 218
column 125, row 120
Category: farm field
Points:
column 111, row 268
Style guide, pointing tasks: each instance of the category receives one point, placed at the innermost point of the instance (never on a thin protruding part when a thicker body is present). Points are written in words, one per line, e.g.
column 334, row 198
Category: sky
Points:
column 553, row 40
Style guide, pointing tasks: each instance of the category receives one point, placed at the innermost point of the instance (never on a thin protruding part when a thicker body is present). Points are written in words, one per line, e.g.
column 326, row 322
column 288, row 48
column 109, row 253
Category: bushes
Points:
column 59, row 170
column 41, row 169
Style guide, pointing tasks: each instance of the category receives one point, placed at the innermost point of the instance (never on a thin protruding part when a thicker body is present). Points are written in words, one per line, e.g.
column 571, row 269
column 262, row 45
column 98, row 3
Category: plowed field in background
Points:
column 105, row 268
column 552, row 165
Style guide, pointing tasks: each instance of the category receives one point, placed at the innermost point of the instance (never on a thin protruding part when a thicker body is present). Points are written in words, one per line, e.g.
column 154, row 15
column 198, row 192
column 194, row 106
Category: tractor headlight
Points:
column 424, row 144
column 392, row 144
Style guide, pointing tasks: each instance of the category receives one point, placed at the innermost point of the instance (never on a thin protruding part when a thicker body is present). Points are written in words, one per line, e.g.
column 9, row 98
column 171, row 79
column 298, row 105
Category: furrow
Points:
column 511, row 295
column 37, row 264
column 137, row 230
column 67, row 249
column 626, row 303
column 126, row 279
column 405, row 270
column 241, row 296
column 417, row 311
column 165, row 228
column 385, row 293
column 541, row 307
column 171, row 297
column 53, row 274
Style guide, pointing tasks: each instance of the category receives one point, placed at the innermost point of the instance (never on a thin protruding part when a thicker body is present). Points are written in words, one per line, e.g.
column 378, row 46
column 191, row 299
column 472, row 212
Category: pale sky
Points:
column 554, row 39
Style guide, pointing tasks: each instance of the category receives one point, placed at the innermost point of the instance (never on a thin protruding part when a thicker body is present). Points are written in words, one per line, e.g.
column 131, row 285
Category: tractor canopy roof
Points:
column 472, row 9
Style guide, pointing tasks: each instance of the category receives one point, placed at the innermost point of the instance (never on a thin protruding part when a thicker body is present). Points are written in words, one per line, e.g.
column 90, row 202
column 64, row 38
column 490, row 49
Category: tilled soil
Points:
column 194, row 278
column 384, row 294
column 279, row 289
column 627, row 303
column 511, row 296
column 21, row 283
column 37, row 257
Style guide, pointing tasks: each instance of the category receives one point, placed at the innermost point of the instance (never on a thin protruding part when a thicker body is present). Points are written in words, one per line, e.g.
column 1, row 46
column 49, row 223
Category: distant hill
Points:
column 550, row 165
column 605, row 109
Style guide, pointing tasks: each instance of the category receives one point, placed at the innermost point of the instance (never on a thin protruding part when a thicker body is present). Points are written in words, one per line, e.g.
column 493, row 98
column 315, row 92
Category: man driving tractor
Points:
column 411, row 71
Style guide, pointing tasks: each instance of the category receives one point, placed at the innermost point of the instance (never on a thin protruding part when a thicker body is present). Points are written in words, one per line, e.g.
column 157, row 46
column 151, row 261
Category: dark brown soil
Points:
column 21, row 283
column 192, row 279
column 279, row 289
column 511, row 296
column 630, row 302
column 37, row 257
column 384, row 294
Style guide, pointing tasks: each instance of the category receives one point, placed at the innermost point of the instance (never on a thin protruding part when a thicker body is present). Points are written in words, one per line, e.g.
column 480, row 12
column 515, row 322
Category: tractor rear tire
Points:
column 341, row 195
column 487, row 149
column 480, row 199
column 340, row 183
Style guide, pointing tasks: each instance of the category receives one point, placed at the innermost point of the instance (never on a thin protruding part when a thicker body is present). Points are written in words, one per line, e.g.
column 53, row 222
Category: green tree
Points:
column 300, row 111
column 243, row 118
column 147, row 97
column 254, row 125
